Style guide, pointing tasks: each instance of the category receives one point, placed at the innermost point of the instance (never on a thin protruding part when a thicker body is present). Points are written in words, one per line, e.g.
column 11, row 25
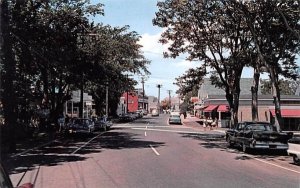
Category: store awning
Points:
column 292, row 113
column 223, row 108
column 210, row 108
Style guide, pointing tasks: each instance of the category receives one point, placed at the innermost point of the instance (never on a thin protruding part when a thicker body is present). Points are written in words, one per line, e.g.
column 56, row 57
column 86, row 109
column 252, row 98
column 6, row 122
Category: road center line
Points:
column 154, row 150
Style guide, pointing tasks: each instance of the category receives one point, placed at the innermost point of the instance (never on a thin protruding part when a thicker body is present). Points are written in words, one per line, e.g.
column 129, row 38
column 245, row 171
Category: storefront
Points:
column 290, row 117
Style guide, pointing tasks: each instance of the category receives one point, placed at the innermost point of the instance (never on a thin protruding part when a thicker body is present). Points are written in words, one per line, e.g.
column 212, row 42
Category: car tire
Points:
column 296, row 160
column 245, row 149
column 229, row 142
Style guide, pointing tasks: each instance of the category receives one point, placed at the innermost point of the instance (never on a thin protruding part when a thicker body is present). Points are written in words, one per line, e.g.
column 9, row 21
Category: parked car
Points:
column 124, row 118
column 103, row 123
column 294, row 149
column 100, row 124
column 109, row 123
column 174, row 119
column 139, row 113
column 81, row 125
column 257, row 135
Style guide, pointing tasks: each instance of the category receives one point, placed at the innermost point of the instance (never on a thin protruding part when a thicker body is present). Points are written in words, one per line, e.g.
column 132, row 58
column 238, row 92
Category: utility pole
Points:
column 158, row 102
column 169, row 92
column 127, row 97
column 143, row 102
column 106, row 100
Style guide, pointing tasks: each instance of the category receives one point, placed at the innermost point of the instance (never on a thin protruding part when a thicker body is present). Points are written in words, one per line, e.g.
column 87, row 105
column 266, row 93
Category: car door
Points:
column 239, row 133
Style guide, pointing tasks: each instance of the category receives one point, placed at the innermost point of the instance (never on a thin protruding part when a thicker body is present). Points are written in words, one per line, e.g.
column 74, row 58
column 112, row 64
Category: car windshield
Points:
column 81, row 121
column 262, row 127
column 175, row 117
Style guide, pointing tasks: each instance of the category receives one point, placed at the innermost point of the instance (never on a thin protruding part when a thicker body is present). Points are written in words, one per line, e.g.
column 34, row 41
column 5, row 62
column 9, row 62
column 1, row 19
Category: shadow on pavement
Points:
column 217, row 141
column 62, row 151
column 123, row 140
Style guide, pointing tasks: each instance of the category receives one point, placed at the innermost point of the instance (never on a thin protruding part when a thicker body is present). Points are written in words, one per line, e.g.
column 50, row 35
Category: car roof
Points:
column 255, row 122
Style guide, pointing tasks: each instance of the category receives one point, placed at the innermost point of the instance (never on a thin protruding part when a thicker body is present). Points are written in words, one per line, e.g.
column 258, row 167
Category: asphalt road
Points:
column 151, row 153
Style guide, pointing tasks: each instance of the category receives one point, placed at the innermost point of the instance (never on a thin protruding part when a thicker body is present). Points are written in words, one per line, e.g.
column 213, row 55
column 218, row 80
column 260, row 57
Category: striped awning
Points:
column 293, row 113
column 210, row 108
column 223, row 108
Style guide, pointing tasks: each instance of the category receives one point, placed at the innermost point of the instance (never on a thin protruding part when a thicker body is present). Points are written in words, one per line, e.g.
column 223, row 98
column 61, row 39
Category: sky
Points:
column 138, row 14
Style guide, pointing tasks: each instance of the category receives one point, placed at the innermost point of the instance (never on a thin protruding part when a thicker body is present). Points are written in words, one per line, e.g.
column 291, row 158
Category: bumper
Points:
column 268, row 145
column 174, row 122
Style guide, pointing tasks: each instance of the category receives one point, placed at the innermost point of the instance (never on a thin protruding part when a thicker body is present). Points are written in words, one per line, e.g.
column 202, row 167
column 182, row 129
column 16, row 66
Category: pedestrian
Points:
column 61, row 123
column 214, row 123
column 205, row 124
column 209, row 122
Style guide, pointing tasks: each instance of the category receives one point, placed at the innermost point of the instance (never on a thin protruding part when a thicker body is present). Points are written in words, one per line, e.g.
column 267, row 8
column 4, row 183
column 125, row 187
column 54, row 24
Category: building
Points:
column 152, row 103
column 142, row 99
column 214, row 104
column 72, row 106
column 132, row 101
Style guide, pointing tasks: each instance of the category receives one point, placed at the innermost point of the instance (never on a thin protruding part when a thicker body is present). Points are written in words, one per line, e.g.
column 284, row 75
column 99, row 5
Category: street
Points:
column 150, row 153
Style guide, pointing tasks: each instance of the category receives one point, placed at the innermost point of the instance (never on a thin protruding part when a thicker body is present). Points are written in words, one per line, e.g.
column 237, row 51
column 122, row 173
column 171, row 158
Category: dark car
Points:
column 100, row 124
column 174, row 119
column 103, row 123
column 257, row 135
column 81, row 125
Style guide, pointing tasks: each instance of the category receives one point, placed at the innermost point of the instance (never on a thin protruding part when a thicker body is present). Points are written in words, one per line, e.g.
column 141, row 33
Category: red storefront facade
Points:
column 133, row 101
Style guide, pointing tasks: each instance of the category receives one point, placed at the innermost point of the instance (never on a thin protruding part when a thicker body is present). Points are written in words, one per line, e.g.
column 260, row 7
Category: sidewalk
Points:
column 27, row 144
column 195, row 123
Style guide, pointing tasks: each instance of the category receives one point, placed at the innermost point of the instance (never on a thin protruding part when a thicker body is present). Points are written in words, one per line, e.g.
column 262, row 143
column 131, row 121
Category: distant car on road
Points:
column 175, row 119
column 154, row 112
column 257, row 135
column 294, row 149
column 81, row 125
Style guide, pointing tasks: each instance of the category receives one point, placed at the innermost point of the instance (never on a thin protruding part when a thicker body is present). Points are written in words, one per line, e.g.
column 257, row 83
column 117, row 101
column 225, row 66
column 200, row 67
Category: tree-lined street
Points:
column 150, row 153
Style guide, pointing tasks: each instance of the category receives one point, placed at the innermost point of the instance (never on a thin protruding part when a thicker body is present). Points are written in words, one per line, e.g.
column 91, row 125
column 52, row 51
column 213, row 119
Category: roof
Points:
column 208, row 89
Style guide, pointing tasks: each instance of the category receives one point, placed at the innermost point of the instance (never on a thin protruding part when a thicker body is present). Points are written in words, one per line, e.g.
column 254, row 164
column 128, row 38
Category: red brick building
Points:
column 133, row 101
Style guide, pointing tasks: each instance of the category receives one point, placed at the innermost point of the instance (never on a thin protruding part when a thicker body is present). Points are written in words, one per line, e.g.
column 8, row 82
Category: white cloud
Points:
column 187, row 64
column 152, row 45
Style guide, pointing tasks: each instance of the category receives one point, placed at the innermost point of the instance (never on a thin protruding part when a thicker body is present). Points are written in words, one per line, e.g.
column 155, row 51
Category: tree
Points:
column 275, row 44
column 8, row 74
column 286, row 87
column 212, row 33
column 49, row 49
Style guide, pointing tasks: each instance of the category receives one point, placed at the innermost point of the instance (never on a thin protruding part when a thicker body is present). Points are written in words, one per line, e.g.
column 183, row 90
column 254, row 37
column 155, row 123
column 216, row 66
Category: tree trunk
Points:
column 229, row 98
column 254, row 91
column 276, row 98
column 9, row 76
column 236, row 98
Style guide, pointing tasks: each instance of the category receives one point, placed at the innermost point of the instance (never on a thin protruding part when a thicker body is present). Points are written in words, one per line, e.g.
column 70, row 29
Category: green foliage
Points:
column 287, row 87
column 57, row 49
